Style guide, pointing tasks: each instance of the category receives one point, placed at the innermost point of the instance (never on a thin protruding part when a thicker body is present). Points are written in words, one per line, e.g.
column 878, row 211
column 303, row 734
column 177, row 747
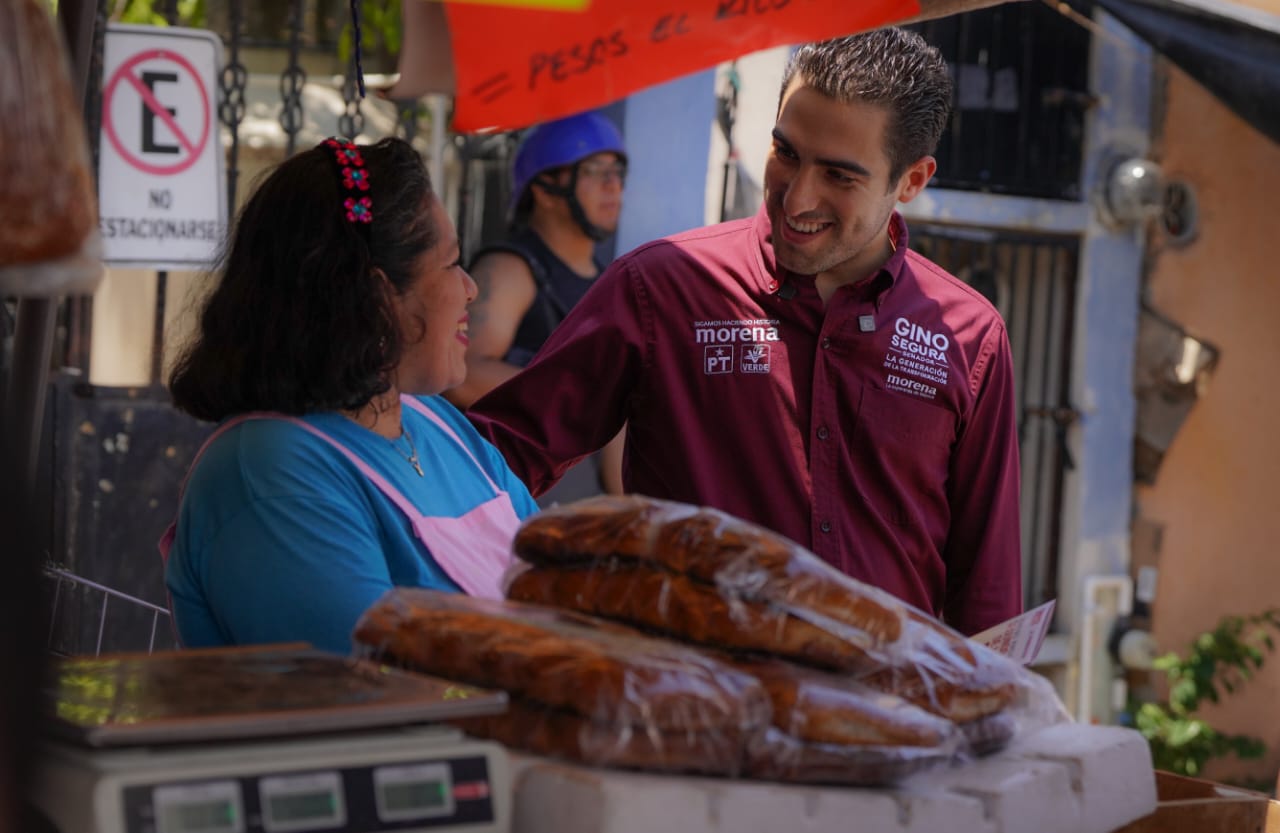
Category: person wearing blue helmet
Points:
column 567, row 182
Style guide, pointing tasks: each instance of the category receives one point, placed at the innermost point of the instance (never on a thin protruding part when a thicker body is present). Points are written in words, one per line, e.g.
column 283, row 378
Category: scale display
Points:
column 416, row 792
column 204, row 808
column 303, row 802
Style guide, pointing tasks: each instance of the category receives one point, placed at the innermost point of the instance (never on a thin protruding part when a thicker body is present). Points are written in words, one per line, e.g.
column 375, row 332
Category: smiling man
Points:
column 804, row 369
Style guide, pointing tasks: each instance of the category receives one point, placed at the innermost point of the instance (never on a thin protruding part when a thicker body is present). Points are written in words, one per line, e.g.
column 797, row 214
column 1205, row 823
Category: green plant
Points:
column 380, row 31
column 150, row 12
column 1218, row 662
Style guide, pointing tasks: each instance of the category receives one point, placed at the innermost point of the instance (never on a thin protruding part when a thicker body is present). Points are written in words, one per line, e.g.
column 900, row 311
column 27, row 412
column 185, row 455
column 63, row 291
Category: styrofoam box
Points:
column 1068, row 778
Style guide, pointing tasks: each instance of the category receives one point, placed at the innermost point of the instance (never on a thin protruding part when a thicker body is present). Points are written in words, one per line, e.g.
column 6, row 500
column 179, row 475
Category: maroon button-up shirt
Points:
column 878, row 430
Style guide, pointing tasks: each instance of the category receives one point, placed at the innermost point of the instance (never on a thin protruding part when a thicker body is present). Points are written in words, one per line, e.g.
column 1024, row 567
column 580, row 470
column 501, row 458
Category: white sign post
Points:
column 162, row 193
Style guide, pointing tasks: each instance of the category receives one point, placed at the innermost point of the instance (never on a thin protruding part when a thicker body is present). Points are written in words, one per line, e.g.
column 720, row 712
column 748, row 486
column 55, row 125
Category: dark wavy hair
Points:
column 300, row 319
column 891, row 67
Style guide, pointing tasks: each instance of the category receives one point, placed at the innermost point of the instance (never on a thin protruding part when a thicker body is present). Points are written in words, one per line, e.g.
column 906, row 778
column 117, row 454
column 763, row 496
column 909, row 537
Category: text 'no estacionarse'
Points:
column 153, row 229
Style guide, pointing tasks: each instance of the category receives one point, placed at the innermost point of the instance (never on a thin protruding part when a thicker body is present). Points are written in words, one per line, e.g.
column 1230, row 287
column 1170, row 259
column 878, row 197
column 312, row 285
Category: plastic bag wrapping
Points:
column 757, row 574
column 777, row 756
column 556, row 733
column 829, row 728
column 48, row 218
column 595, row 691
column 700, row 576
column 672, row 604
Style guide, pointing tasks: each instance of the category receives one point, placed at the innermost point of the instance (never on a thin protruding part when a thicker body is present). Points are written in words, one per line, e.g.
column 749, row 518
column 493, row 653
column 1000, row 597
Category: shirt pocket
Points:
column 902, row 455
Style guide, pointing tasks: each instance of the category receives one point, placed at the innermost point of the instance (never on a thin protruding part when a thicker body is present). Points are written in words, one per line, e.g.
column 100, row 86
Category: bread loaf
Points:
column 559, row 734
column 563, row 661
column 740, row 559
column 818, row 707
column 988, row 734
column 659, row 601
column 946, row 674
column 49, row 208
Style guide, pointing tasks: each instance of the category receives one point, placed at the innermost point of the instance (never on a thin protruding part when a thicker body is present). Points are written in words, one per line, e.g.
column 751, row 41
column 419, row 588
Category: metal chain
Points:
column 351, row 122
column 292, row 80
column 170, row 11
column 232, row 84
column 93, row 90
column 79, row 308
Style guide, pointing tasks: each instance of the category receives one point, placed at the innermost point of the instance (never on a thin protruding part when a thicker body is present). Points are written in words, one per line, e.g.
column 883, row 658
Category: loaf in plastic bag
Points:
column 578, row 687
column 48, row 218
column 701, row 576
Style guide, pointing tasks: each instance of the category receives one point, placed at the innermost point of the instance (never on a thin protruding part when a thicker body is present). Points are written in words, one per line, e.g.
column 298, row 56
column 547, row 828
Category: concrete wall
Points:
column 1215, row 494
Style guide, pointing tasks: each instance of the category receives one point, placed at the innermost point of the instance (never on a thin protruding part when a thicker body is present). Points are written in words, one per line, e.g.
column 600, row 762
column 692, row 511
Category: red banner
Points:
column 519, row 66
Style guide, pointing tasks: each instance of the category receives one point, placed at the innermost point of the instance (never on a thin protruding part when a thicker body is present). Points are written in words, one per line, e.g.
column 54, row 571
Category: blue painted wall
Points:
column 668, row 133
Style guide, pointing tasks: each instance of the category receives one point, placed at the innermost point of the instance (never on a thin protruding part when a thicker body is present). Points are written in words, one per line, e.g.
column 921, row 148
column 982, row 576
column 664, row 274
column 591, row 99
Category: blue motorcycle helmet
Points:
column 558, row 144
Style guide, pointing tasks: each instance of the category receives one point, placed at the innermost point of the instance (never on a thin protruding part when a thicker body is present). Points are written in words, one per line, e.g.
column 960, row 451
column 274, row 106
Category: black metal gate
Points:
column 1021, row 75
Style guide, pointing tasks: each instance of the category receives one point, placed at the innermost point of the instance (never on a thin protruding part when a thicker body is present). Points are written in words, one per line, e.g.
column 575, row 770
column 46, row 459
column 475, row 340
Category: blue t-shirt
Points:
column 281, row 538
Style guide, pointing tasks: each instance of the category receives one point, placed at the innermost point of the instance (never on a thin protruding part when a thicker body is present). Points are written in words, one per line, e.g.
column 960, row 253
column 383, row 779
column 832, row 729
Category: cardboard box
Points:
column 1190, row 805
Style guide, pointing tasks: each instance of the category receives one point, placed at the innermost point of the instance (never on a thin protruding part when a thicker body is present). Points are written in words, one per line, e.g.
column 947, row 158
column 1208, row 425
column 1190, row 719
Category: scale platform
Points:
column 269, row 739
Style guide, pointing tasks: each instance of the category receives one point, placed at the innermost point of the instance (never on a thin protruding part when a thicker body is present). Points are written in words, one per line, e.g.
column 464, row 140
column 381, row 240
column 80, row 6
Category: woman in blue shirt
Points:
column 337, row 471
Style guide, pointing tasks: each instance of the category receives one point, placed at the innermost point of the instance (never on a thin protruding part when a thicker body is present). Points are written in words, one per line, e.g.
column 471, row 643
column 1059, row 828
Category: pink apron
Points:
column 474, row 549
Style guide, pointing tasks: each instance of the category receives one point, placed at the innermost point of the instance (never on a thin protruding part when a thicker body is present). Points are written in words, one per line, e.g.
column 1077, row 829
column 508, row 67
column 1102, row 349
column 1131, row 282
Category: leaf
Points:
column 1186, row 731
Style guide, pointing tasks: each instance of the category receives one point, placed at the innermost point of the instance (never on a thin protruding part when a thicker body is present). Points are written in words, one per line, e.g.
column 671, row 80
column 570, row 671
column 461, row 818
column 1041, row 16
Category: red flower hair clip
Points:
column 355, row 179
column 358, row 210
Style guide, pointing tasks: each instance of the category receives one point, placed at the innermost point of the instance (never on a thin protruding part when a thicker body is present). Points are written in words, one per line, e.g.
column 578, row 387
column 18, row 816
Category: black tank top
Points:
column 559, row 290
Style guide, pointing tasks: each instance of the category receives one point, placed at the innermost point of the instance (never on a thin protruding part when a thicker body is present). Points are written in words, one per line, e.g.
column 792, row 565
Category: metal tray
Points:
column 239, row 693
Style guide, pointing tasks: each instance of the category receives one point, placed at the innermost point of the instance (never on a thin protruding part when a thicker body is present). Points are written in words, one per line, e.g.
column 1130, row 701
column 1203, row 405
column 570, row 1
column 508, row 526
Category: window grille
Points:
column 1021, row 74
column 1031, row 280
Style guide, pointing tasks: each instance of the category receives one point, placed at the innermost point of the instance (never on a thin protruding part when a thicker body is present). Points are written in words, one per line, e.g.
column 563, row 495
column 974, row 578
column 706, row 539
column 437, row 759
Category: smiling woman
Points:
column 336, row 472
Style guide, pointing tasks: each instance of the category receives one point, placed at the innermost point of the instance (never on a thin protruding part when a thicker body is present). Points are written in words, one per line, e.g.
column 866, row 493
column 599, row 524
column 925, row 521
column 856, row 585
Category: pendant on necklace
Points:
column 412, row 457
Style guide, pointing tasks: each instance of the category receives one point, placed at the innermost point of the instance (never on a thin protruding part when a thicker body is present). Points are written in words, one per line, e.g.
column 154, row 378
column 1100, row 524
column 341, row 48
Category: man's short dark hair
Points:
column 893, row 68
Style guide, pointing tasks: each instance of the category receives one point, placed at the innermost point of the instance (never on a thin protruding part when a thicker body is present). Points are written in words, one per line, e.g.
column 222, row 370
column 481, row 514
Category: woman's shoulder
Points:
column 267, row 456
column 448, row 413
column 461, row 427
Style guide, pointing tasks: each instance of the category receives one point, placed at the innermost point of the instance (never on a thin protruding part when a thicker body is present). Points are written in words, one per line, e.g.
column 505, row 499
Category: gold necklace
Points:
column 412, row 456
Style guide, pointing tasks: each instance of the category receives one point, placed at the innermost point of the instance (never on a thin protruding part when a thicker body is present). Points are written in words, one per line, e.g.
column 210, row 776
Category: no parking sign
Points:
column 161, row 183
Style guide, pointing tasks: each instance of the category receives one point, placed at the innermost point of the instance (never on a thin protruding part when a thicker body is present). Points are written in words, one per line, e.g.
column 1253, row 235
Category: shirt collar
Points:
column 887, row 277
column 883, row 280
column 762, row 229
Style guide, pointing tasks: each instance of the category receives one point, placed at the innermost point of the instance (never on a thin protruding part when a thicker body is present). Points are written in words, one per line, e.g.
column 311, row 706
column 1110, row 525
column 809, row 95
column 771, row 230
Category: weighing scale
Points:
column 270, row 739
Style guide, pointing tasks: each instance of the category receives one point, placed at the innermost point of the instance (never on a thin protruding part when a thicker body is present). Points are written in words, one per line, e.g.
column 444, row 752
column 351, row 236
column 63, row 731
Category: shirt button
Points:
column 822, row 432
column 826, row 526
column 826, row 342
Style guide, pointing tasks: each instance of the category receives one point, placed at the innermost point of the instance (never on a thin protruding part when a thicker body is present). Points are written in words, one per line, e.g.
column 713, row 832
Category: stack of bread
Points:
column 858, row 688
column 578, row 688
column 701, row 576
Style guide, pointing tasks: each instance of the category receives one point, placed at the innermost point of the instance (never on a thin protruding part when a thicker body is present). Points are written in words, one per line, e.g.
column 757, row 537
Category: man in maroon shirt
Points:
column 804, row 369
